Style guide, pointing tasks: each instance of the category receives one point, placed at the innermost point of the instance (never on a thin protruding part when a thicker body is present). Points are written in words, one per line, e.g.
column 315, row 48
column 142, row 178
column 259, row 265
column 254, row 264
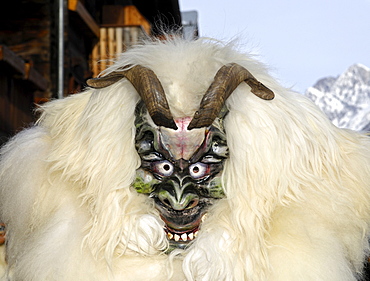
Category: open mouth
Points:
column 182, row 226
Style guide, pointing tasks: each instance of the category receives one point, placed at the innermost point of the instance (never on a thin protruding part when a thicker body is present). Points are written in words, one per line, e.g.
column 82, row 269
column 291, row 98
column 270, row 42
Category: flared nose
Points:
column 178, row 201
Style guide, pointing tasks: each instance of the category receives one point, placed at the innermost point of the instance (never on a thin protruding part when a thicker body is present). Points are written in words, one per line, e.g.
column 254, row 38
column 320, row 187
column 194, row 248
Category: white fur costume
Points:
column 298, row 188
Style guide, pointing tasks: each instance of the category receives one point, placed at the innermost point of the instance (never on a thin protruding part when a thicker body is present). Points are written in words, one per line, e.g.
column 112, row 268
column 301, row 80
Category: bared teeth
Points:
column 183, row 237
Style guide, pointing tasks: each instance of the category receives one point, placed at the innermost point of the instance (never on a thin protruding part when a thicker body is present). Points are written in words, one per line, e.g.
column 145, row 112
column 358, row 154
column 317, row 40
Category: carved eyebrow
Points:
column 154, row 156
column 210, row 159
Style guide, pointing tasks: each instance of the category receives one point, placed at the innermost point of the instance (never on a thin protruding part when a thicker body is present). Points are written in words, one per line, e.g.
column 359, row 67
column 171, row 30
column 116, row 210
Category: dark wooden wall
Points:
column 19, row 84
column 30, row 30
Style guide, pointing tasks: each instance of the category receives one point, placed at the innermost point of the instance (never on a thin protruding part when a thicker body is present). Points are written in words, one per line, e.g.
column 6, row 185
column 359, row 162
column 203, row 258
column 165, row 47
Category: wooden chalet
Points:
column 48, row 48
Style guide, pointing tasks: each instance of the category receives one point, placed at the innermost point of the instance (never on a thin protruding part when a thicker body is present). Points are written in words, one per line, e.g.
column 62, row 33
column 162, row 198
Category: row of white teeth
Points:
column 182, row 237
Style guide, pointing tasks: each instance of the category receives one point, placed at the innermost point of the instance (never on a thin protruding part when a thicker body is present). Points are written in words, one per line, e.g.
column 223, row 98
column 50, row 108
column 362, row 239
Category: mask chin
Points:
column 182, row 226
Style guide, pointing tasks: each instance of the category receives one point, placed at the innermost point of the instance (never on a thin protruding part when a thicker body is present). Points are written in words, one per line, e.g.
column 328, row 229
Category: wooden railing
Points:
column 123, row 27
column 112, row 42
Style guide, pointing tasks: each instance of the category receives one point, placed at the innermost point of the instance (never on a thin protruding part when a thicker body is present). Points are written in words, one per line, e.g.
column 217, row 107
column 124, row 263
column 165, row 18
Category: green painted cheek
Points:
column 215, row 188
column 144, row 182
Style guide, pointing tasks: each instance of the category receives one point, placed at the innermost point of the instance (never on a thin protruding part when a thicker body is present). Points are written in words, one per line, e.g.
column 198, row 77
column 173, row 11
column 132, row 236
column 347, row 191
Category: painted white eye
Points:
column 163, row 168
column 198, row 170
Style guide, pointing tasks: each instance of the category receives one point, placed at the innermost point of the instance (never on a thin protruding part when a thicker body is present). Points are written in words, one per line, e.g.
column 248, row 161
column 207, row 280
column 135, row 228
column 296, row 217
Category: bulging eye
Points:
column 163, row 168
column 198, row 170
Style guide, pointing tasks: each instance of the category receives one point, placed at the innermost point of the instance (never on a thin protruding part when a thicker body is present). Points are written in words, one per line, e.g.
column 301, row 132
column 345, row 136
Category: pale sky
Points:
column 301, row 41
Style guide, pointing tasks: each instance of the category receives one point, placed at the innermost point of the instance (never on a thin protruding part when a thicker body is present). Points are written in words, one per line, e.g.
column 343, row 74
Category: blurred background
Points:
column 319, row 48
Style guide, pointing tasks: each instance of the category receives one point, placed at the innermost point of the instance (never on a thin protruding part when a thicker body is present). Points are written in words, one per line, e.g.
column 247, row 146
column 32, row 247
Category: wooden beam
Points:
column 134, row 18
column 79, row 8
column 72, row 5
column 35, row 77
column 26, row 71
column 12, row 59
column 124, row 16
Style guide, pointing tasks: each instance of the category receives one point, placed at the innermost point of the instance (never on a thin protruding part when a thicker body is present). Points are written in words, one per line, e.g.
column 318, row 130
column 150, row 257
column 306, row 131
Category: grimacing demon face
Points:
column 180, row 169
column 181, row 159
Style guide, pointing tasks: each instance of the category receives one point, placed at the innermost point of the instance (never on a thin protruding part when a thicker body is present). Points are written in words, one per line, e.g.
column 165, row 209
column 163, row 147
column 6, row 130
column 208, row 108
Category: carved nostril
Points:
column 186, row 201
column 193, row 203
column 167, row 199
column 166, row 202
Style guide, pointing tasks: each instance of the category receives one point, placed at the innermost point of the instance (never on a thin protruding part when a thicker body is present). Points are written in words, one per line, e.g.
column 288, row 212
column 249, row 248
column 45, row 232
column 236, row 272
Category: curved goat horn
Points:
column 149, row 88
column 225, row 82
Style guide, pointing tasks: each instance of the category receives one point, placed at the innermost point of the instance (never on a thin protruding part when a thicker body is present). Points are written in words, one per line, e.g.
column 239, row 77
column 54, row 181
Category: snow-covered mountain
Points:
column 345, row 99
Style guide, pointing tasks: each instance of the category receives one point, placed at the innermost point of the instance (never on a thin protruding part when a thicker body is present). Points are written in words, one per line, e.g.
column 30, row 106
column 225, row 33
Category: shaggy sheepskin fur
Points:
column 2, row 261
column 297, row 188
